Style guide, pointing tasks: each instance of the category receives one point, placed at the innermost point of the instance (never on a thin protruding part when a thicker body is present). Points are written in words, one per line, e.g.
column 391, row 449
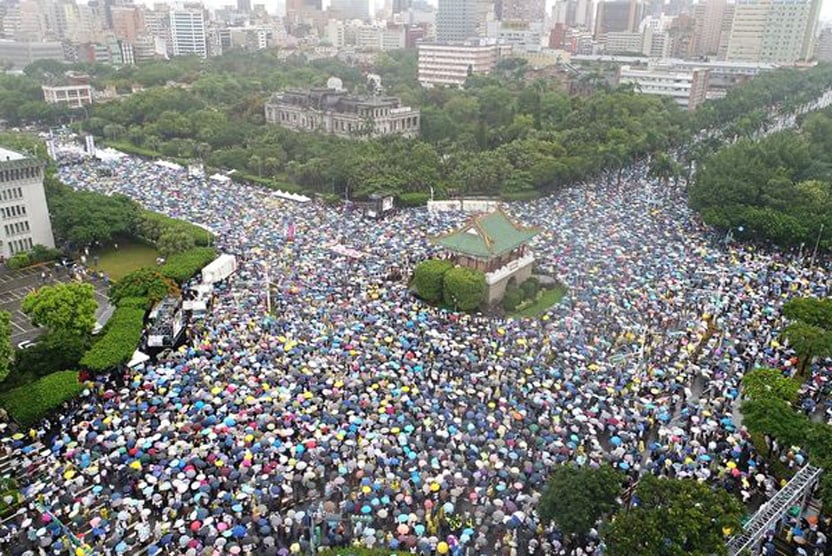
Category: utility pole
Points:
column 817, row 243
column 268, row 289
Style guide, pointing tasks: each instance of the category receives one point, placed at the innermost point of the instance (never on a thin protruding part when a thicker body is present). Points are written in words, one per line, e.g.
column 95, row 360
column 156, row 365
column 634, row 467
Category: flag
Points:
column 290, row 232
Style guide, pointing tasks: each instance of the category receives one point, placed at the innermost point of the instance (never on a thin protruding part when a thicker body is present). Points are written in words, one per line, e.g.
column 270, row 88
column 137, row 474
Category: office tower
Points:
column 823, row 46
column 350, row 9
column 460, row 20
column 708, row 19
column 128, row 22
column 401, row 6
column 520, row 10
column 244, row 6
column 579, row 13
column 773, row 31
column 618, row 16
column 22, row 204
column 187, row 29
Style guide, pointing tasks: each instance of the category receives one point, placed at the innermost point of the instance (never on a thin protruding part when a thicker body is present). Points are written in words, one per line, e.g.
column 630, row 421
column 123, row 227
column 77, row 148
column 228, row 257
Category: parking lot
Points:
column 16, row 284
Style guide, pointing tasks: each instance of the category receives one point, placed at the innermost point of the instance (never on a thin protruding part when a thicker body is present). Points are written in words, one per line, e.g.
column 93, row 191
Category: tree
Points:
column 674, row 517
column 428, row 278
column 66, row 308
column 775, row 418
column 84, row 217
column 6, row 348
column 144, row 282
column 174, row 241
column 769, row 383
column 577, row 497
column 808, row 341
column 464, row 288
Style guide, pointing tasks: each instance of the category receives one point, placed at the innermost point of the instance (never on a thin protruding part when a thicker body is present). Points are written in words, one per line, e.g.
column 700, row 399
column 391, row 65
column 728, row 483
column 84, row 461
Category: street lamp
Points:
column 815, row 250
column 268, row 285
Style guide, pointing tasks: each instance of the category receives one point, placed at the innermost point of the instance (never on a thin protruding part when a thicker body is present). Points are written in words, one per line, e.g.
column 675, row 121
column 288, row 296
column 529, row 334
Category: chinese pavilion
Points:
column 495, row 245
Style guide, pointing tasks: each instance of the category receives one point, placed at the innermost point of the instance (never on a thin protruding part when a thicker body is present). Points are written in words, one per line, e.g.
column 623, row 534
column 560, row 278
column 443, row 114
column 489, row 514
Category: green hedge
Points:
column 427, row 278
column 152, row 225
column 513, row 298
column 18, row 261
column 135, row 302
column 183, row 266
column 28, row 404
column 120, row 339
column 464, row 288
column 144, row 283
column 413, row 199
column 530, row 287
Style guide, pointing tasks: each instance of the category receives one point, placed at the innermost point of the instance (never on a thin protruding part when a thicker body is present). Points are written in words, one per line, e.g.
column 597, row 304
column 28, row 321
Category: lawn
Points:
column 547, row 299
column 131, row 255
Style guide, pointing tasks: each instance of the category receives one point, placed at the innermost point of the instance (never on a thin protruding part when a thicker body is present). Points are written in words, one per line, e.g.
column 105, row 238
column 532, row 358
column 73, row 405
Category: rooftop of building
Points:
column 487, row 236
column 8, row 154
column 332, row 99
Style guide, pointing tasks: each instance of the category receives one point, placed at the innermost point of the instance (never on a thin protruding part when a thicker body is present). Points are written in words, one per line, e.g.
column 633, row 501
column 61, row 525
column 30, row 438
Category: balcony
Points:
column 495, row 276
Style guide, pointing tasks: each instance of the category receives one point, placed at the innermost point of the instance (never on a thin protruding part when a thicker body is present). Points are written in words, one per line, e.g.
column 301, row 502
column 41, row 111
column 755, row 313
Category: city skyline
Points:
column 278, row 6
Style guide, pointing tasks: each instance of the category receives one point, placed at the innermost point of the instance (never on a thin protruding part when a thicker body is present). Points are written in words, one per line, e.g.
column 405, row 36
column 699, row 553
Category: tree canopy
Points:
column 6, row 348
column 778, row 188
column 84, row 217
column 674, row 517
column 63, row 308
column 577, row 497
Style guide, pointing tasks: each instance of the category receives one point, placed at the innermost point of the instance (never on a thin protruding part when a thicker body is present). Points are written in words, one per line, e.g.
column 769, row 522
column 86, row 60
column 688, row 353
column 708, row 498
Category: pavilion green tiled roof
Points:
column 486, row 236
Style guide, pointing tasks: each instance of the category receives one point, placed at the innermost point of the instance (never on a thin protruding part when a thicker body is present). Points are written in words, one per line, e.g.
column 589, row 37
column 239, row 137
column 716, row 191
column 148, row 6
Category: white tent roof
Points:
column 137, row 359
column 221, row 178
column 168, row 164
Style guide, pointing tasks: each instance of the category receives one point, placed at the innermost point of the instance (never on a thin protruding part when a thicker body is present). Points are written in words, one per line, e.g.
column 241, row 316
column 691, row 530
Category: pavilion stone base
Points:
column 518, row 271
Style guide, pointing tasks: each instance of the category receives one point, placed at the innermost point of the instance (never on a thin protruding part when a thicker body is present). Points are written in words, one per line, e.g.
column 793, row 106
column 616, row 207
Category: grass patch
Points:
column 544, row 301
column 131, row 255
column 10, row 497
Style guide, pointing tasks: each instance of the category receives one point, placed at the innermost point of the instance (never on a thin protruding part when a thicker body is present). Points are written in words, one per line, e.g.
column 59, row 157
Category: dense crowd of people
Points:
column 355, row 415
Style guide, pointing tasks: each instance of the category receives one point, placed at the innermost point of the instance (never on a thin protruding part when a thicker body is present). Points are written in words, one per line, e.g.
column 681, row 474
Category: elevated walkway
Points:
column 799, row 488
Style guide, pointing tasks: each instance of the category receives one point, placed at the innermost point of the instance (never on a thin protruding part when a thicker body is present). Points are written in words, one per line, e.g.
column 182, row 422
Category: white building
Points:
column 337, row 113
column 23, row 207
column 523, row 36
column 73, row 90
column 452, row 63
column 462, row 20
column 686, row 88
column 775, row 31
column 187, row 29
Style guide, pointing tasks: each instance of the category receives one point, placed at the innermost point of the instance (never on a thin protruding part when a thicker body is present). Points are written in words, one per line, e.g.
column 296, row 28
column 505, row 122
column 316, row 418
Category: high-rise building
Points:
column 350, row 9
column 128, row 22
column 579, row 13
column 452, row 64
column 618, row 16
column 22, row 204
column 776, row 31
column 823, row 46
column 520, row 10
column 461, row 20
column 187, row 29
column 244, row 6
column 708, row 17
column 686, row 88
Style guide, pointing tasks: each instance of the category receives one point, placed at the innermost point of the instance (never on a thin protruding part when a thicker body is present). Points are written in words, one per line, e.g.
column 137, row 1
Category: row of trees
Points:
column 664, row 517
column 776, row 189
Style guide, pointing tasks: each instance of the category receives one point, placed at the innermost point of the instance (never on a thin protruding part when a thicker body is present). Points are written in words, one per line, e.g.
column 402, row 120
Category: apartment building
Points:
column 452, row 63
